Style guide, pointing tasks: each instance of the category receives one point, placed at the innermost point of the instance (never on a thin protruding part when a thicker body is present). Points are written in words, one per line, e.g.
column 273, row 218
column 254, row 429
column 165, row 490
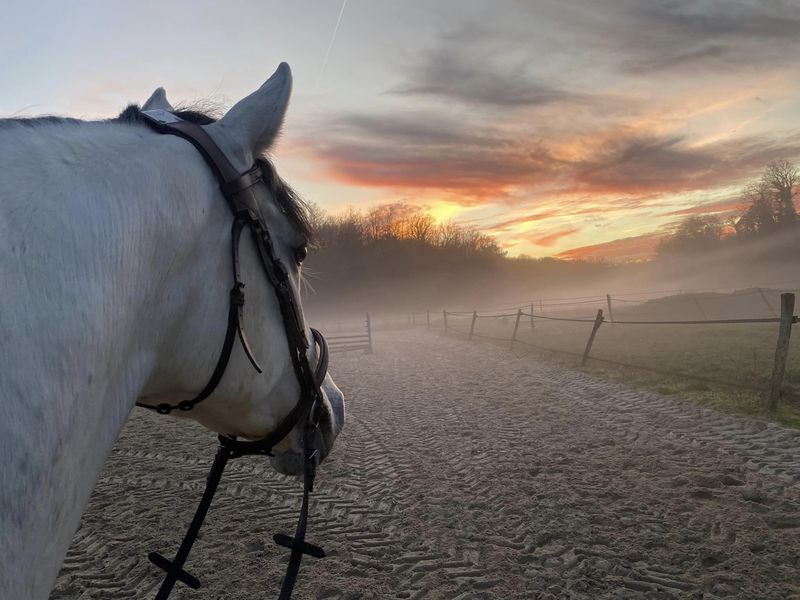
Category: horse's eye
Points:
column 300, row 254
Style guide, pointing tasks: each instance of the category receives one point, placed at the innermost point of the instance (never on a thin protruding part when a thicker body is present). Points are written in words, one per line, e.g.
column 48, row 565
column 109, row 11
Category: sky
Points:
column 576, row 129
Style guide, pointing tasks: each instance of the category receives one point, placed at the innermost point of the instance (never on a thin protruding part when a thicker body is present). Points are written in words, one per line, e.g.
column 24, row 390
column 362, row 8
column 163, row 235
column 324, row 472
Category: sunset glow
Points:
column 576, row 130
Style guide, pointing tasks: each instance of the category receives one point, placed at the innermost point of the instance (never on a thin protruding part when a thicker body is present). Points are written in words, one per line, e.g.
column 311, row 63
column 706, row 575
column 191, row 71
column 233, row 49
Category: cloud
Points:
column 629, row 248
column 452, row 73
column 551, row 238
column 478, row 65
column 522, row 219
column 637, row 164
column 728, row 206
column 522, row 116
column 690, row 35
column 430, row 151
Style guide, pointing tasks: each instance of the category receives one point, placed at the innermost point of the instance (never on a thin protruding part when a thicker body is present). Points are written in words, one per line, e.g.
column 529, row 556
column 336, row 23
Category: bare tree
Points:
column 783, row 178
column 761, row 214
column 450, row 235
column 420, row 227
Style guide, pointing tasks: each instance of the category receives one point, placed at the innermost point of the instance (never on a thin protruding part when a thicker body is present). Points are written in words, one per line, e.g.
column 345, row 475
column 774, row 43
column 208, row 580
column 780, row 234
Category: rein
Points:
column 239, row 191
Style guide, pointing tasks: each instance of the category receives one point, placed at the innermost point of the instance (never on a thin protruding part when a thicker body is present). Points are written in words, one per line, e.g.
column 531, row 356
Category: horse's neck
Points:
column 87, row 250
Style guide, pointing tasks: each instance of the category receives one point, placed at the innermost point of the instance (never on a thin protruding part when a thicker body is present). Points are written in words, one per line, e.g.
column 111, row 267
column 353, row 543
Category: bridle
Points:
column 239, row 189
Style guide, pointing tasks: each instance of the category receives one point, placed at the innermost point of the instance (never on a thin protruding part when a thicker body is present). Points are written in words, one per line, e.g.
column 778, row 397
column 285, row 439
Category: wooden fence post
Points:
column 610, row 312
column 700, row 308
column 531, row 316
column 782, row 350
column 369, row 334
column 472, row 327
column 516, row 327
column 444, row 317
column 597, row 322
column 428, row 318
column 764, row 298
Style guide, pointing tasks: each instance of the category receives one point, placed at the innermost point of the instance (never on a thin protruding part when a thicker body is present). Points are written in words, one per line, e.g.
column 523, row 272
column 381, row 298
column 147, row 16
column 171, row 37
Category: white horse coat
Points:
column 114, row 279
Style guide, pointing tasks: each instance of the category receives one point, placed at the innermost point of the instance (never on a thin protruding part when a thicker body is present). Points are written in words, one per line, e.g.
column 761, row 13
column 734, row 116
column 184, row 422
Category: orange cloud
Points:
column 723, row 206
column 551, row 238
column 631, row 248
column 522, row 219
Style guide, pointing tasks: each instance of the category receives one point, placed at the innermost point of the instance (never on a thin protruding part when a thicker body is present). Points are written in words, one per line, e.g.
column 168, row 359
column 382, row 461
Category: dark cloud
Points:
column 482, row 66
column 436, row 152
column 637, row 37
column 635, row 164
column 451, row 73
column 417, row 128
column 687, row 34
column 640, row 164
column 430, row 151
column 720, row 19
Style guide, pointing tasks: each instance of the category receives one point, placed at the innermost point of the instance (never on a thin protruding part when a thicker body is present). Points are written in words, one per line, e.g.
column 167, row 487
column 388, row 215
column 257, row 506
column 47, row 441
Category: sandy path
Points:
column 464, row 472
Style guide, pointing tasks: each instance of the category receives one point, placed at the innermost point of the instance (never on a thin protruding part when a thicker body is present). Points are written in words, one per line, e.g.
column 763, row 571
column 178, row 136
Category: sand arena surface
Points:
column 464, row 472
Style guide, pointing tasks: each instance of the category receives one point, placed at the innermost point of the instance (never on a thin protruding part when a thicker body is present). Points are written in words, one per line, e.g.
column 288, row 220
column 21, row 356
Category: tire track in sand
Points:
column 466, row 473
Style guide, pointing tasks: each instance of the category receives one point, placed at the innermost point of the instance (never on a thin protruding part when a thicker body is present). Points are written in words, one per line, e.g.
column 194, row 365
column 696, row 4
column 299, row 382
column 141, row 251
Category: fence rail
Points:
column 346, row 342
column 786, row 320
column 607, row 300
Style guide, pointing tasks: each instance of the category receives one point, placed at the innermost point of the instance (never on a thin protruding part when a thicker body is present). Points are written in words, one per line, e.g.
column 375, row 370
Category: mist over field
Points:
column 397, row 275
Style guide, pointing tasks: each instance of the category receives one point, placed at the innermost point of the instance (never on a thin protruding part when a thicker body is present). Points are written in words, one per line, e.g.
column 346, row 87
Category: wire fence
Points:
column 689, row 302
column 464, row 323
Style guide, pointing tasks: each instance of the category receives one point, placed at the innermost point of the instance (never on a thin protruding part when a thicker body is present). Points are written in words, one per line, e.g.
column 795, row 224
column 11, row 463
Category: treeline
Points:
column 401, row 226
column 768, row 211
column 394, row 252
column 397, row 256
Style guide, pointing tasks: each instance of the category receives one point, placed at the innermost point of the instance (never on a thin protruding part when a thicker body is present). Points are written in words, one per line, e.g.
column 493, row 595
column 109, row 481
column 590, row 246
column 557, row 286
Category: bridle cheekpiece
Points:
column 239, row 190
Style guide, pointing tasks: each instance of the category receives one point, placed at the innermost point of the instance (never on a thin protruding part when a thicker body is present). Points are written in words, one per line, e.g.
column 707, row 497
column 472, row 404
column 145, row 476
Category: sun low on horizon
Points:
column 578, row 130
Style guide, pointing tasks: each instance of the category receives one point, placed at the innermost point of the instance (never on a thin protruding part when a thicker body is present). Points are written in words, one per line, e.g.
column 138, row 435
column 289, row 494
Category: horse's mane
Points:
column 290, row 203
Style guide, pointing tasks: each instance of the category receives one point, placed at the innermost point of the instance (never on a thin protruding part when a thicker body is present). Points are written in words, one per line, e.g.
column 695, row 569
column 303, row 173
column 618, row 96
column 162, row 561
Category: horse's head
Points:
column 246, row 403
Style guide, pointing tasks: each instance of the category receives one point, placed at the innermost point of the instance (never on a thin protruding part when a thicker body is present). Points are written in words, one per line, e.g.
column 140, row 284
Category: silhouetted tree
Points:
column 694, row 233
column 421, row 227
column 783, row 177
column 760, row 216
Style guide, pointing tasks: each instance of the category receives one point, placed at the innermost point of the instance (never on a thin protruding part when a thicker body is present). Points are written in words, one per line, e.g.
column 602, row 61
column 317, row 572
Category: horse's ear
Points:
column 254, row 122
column 158, row 100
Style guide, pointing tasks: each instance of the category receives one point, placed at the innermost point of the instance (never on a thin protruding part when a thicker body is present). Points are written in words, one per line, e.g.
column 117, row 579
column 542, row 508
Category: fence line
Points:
column 620, row 297
column 786, row 320
column 709, row 322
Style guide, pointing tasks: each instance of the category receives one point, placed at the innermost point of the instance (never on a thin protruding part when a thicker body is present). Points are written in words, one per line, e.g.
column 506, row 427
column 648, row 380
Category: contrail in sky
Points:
column 333, row 39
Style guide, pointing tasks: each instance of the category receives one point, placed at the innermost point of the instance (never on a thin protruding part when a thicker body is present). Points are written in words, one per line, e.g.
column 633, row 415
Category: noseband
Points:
column 239, row 191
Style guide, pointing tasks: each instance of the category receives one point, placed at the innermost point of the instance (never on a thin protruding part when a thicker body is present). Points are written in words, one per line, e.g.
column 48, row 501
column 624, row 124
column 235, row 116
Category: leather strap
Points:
column 239, row 192
column 235, row 324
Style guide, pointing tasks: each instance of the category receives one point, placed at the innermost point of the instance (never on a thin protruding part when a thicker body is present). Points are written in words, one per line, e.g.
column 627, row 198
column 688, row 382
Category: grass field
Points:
column 725, row 366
